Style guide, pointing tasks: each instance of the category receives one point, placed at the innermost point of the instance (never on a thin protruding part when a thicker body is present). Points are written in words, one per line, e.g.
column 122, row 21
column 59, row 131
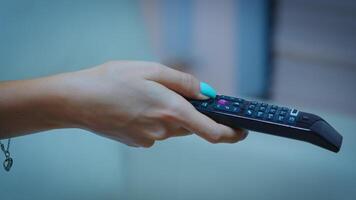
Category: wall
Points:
column 314, row 54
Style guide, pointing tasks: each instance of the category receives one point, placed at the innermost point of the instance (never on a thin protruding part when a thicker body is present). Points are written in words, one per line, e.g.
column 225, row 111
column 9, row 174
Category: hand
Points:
column 138, row 103
column 133, row 102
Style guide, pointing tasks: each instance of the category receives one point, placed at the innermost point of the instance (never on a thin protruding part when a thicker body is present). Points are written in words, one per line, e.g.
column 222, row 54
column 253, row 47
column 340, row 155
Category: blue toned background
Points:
column 294, row 53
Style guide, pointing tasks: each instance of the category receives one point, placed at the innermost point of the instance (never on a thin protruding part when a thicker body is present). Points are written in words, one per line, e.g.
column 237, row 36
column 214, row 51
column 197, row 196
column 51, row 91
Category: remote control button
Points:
column 294, row 112
column 284, row 109
column 291, row 120
column 218, row 106
column 270, row 116
column 264, row 104
column 259, row 114
column 254, row 102
column 236, row 104
column 222, row 107
column 249, row 112
column 283, row 113
column 280, row 118
column 274, row 107
column 272, row 110
column 236, row 109
column 204, row 104
column 252, row 107
column 222, row 102
column 262, row 108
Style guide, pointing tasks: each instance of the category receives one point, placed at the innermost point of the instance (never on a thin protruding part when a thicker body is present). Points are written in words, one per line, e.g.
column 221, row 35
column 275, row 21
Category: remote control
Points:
column 271, row 119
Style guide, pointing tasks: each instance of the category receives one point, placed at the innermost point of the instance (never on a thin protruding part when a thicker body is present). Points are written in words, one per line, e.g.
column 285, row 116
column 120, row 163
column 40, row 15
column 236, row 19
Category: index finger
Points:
column 207, row 128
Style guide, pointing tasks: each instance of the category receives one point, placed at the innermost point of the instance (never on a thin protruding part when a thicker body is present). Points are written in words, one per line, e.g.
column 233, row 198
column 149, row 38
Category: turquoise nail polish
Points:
column 207, row 90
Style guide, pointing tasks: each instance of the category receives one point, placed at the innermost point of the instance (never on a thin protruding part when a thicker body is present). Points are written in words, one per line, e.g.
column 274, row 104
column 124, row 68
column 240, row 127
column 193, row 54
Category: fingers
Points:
column 180, row 132
column 175, row 132
column 180, row 82
column 162, row 131
column 151, row 137
column 207, row 128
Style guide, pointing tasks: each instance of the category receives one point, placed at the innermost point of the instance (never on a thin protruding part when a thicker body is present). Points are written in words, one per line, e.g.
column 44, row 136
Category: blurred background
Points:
column 300, row 54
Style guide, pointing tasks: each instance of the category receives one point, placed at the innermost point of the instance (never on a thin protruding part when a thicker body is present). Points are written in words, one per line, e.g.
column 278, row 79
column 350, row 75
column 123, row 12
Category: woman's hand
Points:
column 133, row 102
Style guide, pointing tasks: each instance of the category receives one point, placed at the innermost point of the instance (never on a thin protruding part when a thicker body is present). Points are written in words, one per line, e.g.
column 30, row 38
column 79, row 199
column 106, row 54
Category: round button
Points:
column 222, row 102
column 236, row 104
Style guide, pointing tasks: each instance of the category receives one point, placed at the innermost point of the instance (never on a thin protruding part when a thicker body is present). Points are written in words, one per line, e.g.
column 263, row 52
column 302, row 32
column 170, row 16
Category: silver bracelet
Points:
column 8, row 160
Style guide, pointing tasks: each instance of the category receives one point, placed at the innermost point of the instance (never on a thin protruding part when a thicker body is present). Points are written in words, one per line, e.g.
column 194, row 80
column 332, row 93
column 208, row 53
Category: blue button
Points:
column 259, row 114
column 262, row 108
column 249, row 112
column 291, row 120
column 204, row 104
column 272, row 111
column 236, row 109
column 280, row 118
column 270, row 116
column 236, row 104
column 252, row 107
column 283, row 113
column 218, row 106
column 222, row 107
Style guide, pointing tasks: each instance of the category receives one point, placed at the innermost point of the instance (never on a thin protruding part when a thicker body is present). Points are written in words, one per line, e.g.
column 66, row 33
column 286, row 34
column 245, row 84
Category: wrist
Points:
column 58, row 99
column 29, row 106
column 46, row 103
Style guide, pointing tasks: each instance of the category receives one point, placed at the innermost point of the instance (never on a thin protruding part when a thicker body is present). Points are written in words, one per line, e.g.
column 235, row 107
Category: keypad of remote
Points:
column 252, row 109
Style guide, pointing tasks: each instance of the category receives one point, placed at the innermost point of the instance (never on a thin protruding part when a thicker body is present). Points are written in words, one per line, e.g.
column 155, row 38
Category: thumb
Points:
column 183, row 83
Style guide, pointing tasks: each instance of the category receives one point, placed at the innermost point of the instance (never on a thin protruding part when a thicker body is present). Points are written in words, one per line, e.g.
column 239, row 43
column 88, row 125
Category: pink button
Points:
column 222, row 102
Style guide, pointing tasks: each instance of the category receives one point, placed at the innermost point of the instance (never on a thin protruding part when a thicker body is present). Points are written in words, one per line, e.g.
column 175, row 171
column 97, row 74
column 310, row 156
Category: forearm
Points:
column 29, row 106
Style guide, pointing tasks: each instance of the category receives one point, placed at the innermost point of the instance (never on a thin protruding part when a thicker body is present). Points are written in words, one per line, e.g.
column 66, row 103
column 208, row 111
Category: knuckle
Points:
column 160, row 136
column 148, row 144
column 215, row 138
column 175, row 107
column 156, row 68
column 190, row 81
column 168, row 116
column 188, row 78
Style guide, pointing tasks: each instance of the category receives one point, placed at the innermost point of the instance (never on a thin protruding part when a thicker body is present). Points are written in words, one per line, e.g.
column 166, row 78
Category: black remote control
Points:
column 271, row 119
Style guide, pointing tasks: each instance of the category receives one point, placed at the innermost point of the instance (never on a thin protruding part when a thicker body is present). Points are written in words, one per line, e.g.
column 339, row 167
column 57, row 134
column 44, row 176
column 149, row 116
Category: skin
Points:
column 136, row 103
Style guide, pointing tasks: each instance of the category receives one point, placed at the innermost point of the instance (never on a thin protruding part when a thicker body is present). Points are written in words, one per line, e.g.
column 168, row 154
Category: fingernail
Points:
column 207, row 90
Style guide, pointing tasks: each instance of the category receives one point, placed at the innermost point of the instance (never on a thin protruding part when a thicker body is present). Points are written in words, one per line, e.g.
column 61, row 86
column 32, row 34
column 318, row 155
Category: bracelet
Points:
column 8, row 160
